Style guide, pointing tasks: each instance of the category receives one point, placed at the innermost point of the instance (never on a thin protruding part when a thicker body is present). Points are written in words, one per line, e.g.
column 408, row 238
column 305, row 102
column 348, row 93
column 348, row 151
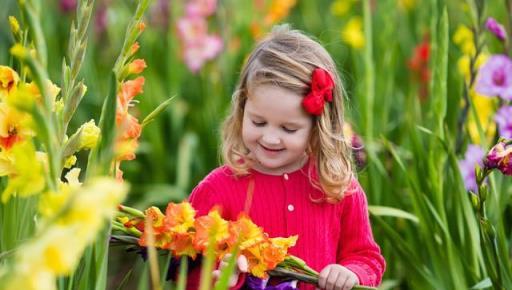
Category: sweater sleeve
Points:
column 203, row 198
column 358, row 251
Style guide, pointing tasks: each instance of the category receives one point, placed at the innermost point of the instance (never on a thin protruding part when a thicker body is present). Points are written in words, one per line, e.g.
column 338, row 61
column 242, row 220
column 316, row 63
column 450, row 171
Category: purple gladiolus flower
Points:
column 474, row 156
column 500, row 157
column 255, row 283
column 504, row 120
column 496, row 28
column 495, row 77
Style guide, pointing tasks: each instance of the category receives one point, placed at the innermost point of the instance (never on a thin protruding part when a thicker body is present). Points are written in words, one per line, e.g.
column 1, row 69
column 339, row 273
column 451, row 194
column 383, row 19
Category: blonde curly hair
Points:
column 287, row 58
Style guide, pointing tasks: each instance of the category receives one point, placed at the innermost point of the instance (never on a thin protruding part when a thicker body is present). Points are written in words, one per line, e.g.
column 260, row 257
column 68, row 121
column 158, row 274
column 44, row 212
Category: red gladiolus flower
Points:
column 418, row 64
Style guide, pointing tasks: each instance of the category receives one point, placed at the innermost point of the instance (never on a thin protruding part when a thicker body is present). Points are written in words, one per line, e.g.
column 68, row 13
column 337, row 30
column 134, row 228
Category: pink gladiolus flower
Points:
column 474, row 156
column 500, row 157
column 192, row 28
column 203, row 8
column 196, row 54
column 198, row 45
column 496, row 28
column 495, row 78
column 504, row 120
column 67, row 5
column 101, row 19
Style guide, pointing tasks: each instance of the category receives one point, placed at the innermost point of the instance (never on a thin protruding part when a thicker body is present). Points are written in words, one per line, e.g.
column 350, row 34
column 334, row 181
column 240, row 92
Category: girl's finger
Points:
column 350, row 283
column 243, row 265
column 216, row 274
column 341, row 283
column 322, row 277
column 331, row 280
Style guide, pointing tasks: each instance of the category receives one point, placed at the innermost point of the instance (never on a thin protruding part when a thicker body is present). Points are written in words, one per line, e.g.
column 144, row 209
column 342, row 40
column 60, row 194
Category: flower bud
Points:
column 474, row 201
column 90, row 134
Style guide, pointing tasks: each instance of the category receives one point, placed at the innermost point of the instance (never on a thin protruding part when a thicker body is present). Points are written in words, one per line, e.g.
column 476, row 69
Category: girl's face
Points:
column 276, row 129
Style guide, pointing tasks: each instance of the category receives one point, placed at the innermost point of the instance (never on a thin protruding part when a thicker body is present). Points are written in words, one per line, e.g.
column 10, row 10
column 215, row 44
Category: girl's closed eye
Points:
column 289, row 130
column 259, row 123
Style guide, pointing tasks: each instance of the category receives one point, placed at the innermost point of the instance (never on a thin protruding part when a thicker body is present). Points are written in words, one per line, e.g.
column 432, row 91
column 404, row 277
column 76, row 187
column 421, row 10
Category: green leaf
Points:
column 393, row 212
column 485, row 283
column 151, row 116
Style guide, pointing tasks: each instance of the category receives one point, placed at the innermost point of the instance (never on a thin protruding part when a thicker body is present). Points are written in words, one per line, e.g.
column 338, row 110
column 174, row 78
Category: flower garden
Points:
column 110, row 114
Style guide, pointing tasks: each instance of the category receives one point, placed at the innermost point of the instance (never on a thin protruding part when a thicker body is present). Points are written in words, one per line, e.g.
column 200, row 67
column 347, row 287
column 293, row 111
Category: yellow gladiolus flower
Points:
column 85, row 210
column 27, row 178
column 353, row 33
column 463, row 64
column 8, row 80
column 57, row 250
column 19, row 51
column 28, row 94
column 90, row 134
column 464, row 38
column 485, row 108
column 341, row 7
column 29, row 277
column 70, row 161
column 51, row 203
column 6, row 163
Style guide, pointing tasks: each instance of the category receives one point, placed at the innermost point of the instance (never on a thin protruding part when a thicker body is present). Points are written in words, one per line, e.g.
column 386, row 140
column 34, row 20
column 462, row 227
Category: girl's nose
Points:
column 271, row 138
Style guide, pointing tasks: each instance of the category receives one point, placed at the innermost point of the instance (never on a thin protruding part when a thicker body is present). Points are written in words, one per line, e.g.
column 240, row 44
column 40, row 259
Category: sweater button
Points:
column 291, row 207
column 285, row 176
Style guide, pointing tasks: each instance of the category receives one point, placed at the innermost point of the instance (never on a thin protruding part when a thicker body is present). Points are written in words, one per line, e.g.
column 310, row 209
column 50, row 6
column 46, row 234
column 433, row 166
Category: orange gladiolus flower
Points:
column 137, row 66
column 245, row 232
column 14, row 126
column 266, row 255
column 156, row 218
column 182, row 245
column 135, row 47
column 128, row 125
column 129, row 90
column 125, row 150
column 179, row 218
column 141, row 26
column 162, row 241
column 276, row 250
column 211, row 227
column 255, row 262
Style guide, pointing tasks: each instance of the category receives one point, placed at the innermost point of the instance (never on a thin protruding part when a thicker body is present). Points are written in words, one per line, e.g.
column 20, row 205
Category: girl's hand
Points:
column 337, row 277
column 241, row 267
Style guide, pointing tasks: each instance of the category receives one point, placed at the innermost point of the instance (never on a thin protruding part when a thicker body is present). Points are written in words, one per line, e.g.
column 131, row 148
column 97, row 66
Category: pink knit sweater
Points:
column 282, row 205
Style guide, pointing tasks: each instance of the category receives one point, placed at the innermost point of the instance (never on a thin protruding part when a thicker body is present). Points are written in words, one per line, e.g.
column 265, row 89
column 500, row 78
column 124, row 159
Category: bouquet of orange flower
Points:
column 183, row 234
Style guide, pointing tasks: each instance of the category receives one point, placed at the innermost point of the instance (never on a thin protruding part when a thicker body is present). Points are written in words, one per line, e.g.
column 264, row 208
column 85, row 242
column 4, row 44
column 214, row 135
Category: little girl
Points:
column 288, row 165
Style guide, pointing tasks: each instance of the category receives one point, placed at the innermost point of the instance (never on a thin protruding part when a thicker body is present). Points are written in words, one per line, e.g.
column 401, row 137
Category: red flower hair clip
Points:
column 321, row 91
